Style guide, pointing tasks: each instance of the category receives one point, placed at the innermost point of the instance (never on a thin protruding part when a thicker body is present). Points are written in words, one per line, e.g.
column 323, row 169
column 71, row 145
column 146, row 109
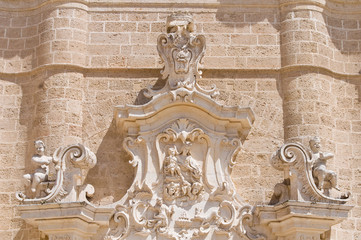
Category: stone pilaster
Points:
column 306, row 78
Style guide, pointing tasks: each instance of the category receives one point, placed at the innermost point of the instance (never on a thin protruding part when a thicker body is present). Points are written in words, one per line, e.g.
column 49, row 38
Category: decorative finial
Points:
column 181, row 52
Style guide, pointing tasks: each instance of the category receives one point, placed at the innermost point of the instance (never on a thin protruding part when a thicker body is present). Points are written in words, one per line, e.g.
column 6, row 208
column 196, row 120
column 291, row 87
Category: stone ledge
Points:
column 74, row 220
column 294, row 219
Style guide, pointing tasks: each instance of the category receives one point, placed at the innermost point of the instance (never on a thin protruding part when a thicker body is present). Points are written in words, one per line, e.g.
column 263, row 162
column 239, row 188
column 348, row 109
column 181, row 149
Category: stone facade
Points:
column 64, row 65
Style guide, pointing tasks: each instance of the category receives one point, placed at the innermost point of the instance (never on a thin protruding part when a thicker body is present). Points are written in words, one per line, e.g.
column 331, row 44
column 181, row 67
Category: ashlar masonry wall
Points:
column 64, row 65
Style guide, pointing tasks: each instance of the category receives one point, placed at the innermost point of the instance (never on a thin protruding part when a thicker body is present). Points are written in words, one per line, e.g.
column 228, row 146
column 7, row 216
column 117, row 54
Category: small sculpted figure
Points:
column 42, row 163
column 162, row 217
column 171, row 163
column 172, row 190
column 190, row 163
column 195, row 191
column 319, row 170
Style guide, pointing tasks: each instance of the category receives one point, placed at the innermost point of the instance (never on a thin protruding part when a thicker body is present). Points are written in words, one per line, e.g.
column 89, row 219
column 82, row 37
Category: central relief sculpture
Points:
column 183, row 146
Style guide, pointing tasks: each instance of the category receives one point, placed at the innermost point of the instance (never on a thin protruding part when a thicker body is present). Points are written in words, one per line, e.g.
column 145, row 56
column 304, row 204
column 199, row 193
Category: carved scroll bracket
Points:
column 71, row 165
column 300, row 183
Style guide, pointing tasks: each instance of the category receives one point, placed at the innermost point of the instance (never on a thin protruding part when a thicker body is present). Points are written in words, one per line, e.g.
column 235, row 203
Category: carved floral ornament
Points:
column 183, row 146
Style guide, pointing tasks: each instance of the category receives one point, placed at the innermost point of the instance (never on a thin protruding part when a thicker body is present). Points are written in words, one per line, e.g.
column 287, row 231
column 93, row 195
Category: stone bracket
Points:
column 299, row 220
column 73, row 221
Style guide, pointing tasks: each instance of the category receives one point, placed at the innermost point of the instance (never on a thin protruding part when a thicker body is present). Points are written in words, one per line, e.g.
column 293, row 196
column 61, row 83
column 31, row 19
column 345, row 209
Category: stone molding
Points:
column 73, row 221
column 299, row 220
column 350, row 7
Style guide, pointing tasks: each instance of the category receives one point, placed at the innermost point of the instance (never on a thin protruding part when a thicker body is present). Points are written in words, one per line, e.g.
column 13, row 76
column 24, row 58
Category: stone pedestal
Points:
column 294, row 220
column 70, row 221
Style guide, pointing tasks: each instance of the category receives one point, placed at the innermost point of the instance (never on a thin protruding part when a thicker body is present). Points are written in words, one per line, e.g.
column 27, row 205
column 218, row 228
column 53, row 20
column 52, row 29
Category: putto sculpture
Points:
column 306, row 177
column 71, row 165
column 42, row 168
column 325, row 179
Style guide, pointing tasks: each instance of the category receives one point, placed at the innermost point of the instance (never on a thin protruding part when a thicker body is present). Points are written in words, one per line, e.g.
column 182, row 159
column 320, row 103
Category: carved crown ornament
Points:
column 182, row 145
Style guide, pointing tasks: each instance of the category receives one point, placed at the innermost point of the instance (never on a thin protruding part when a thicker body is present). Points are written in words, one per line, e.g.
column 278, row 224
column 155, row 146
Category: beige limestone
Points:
column 294, row 94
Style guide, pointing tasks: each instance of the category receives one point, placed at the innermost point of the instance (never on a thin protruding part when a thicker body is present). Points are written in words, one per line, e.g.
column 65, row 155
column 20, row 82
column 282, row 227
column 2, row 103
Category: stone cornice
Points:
column 336, row 6
column 31, row 5
column 281, row 70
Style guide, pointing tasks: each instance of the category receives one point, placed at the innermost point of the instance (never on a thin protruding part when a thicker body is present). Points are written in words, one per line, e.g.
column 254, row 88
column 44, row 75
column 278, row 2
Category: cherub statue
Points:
column 42, row 162
column 319, row 170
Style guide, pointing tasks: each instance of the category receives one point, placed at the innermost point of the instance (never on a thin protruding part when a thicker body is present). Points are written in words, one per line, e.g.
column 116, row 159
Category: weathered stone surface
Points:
column 295, row 94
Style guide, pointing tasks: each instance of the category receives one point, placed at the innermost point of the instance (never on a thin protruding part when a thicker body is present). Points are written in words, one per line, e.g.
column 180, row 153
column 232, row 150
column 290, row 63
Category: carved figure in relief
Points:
column 171, row 166
column 195, row 191
column 322, row 175
column 172, row 190
column 190, row 164
column 161, row 219
column 42, row 162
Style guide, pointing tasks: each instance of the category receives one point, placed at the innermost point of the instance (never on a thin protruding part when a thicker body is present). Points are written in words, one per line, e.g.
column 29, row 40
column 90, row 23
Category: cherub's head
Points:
column 172, row 151
column 196, row 188
column 315, row 144
column 173, row 188
column 39, row 147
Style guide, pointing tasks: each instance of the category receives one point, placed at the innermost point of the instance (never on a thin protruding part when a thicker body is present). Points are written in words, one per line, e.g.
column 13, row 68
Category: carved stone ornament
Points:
column 183, row 146
column 306, row 177
column 181, row 52
column 71, row 165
